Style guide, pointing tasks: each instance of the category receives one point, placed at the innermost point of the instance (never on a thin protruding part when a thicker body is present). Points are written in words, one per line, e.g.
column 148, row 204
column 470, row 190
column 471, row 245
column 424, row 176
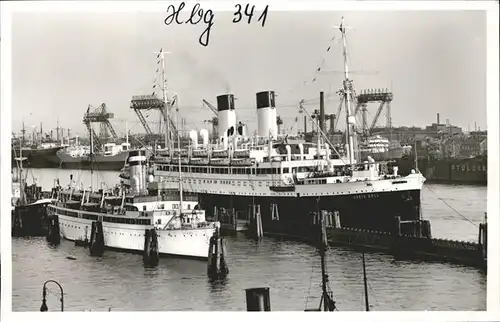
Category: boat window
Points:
column 144, row 208
column 189, row 207
column 285, row 170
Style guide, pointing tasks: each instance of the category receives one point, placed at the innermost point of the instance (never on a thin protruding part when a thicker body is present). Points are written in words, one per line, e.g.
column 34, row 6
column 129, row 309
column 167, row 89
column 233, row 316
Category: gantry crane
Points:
column 152, row 102
column 382, row 96
column 99, row 115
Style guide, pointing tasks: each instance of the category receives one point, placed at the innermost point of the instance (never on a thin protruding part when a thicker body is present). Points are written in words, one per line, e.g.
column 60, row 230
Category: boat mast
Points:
column 367, row 305
column 166, row 102
column 20, row 169
column 180, row 173
column 347, row 98
column 91, row 155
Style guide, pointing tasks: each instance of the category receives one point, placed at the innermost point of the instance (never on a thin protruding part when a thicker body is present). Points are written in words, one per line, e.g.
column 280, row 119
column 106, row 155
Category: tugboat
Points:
column 29, row 216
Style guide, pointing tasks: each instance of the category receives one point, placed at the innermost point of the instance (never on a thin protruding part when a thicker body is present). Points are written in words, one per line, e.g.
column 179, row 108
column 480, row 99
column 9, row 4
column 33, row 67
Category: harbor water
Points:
column 120, row 281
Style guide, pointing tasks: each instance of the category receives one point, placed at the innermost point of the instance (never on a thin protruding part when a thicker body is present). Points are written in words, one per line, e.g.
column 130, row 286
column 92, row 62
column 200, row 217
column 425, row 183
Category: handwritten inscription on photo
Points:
column 198, row 15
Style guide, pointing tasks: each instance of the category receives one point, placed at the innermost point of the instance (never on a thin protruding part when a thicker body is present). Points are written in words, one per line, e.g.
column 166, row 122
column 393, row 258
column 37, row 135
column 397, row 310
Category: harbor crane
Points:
column 383, row 97
column 140, row 103
column 99, row 115
column 214, row 120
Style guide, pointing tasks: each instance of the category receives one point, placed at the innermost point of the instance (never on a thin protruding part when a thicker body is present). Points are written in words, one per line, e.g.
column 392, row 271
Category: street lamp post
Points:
column 44, row 307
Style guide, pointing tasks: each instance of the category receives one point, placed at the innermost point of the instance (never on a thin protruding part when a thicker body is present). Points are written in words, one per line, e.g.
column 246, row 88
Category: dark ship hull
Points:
column 38, row 158
column 30, row 220
column 373, row 211
column 465, row 171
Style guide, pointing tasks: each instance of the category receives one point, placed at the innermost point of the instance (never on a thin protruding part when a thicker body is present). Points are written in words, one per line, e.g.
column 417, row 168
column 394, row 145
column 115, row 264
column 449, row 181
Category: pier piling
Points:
column 258, row 299
column 397, row 226
column 53, row 233
column 96, row 239
column 256, row 229
column 151, row 254
column 483, row 240
column 217, row 266
column 17, row 223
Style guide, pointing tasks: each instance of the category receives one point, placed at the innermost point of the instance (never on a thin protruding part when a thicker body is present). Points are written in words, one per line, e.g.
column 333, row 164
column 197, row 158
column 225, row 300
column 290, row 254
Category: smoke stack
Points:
column 332, row 122
column 321, row 111
column 137, row 167
column 437, row 118
column 305, row 124
column 226, row 113
column 266, row 114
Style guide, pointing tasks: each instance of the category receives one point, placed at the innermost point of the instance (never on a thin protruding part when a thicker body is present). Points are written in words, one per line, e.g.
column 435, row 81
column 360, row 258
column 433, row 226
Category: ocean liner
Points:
column 290, row 179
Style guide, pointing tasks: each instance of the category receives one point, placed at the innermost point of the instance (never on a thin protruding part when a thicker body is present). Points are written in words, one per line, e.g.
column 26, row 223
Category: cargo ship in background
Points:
column 39, row 156
column 112, row 158
column 472, row 170
column 39, row 152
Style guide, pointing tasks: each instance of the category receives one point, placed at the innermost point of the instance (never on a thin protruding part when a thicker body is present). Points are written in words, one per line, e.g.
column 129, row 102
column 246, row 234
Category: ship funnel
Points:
column 226, row 113
column 137, row 171
column 193, row 135
column 204, row 137
column 266, row 114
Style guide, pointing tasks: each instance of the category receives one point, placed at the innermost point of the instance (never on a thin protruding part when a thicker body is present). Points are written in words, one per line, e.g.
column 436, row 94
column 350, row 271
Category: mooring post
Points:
column 483, row 240
column 258, row 299
column 151, row 253
column 426, row 229
column 96, row 246
column 53, row 233
column 217, row 266
column 17, row 229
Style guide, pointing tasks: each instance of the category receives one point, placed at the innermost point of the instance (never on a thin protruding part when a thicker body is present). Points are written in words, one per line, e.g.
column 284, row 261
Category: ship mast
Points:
column 367, row 304
column 166, row 102
column 91, row 154
column 347, row 98
column 20, row 169
column 180, row 173
column 168, row 145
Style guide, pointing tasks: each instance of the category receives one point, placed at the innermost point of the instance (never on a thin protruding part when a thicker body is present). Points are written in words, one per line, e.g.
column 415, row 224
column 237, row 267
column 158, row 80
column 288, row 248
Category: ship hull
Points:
column 38, row 158
column 29, row 220
column 112, row 163
column 366, row 204
column 373, row 211
column 125, row 237
column 454, row 171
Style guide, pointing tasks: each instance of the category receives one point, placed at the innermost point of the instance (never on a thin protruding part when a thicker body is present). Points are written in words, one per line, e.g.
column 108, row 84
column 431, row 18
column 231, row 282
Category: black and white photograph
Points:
column 253, row 156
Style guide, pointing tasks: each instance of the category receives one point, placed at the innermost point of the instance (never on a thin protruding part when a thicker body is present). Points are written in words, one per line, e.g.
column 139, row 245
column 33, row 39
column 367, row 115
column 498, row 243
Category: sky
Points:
column 434, row 62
